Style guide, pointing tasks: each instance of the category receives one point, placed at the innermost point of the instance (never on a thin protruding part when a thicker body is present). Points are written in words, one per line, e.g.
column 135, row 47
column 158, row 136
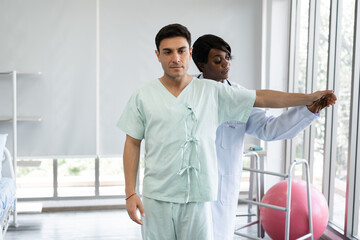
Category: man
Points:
column 212, row 56
column 177, row 115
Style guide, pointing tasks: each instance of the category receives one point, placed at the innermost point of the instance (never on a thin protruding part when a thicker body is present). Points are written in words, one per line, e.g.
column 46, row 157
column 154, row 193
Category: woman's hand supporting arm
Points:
column 277, row 99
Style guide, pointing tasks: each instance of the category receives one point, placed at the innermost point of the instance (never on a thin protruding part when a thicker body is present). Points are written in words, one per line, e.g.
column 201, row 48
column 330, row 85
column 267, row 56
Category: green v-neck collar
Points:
column 164, row 89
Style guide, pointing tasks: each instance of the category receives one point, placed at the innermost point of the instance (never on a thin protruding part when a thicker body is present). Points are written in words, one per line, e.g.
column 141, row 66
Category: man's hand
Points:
column 132, row 204
column 325, row 101
column 319, row 94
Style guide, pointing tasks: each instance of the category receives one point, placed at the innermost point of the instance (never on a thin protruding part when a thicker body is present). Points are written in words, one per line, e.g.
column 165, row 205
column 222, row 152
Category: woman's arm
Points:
column 277, row 99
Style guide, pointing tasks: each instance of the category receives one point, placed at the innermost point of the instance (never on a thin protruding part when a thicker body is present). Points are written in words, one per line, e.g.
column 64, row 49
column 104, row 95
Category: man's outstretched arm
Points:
column 277, row 99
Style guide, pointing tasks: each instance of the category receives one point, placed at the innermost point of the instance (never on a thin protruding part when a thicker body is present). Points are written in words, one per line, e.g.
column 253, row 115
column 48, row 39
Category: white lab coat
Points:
column 230, row 146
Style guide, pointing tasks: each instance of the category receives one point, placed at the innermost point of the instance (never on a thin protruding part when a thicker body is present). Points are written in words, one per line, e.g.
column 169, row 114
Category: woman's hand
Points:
column 326, row 94
column 324, row 101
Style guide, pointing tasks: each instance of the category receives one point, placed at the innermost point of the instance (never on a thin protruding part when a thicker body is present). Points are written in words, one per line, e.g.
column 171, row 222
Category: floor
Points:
column 94, row 224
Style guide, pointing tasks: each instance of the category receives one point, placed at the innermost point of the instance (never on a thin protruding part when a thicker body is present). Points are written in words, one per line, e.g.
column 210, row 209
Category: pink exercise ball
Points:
column 273, row 221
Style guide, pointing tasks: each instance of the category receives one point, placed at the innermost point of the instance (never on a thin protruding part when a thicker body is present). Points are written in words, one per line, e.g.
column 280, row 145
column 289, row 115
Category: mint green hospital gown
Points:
column 179, row 133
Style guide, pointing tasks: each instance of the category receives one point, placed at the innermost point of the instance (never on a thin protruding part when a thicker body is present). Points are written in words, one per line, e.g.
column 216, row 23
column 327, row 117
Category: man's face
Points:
column 218, row 65
column 174, row 55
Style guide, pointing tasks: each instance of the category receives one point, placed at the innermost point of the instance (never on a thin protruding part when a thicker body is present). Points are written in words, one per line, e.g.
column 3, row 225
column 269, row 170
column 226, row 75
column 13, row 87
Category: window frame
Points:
column 351, row 221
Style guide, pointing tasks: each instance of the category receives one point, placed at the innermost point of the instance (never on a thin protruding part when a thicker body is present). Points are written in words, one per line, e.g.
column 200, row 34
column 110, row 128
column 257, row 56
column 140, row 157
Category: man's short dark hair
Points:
column 204, row 44
column 170, row 31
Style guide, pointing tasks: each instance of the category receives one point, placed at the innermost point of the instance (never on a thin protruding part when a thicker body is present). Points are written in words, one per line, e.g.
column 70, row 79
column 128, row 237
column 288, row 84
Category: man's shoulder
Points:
column 144, row 91
column 209, row 82
column 147, row 86
column 236, row 85
column 203, row 82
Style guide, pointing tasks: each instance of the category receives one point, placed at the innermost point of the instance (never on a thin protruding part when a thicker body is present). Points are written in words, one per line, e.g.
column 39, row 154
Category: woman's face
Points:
column 218, row 65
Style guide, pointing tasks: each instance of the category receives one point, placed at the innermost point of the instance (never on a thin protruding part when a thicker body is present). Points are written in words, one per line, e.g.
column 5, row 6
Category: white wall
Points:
column 58, row 38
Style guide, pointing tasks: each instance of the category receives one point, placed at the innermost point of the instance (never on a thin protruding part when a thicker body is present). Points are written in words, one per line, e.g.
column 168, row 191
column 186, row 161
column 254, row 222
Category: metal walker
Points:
column 287, row 209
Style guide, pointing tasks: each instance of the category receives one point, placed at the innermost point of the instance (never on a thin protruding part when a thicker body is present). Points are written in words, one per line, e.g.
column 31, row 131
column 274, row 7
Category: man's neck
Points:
column 175, row 85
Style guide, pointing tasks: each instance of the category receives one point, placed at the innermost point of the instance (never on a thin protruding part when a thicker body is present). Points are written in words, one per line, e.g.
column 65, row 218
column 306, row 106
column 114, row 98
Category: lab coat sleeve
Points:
column 285, row 126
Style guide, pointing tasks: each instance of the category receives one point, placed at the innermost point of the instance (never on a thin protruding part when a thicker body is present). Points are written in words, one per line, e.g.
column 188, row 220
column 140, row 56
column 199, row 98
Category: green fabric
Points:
column 180, row 221
column 179, row 133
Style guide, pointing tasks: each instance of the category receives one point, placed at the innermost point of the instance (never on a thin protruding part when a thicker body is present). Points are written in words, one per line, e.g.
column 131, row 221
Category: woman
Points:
column 212, row 56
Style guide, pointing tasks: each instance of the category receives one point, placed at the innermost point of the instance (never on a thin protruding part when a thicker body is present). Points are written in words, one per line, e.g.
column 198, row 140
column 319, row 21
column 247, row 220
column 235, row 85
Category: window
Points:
column 322, row 42
column 330, row 28
column 111, row 177
column 76, row 177
column 73, row 177
column 300, row 74
column 343, row 85
column 35, row 178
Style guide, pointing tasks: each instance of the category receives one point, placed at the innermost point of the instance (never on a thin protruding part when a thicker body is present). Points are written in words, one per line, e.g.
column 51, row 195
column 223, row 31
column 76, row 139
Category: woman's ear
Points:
column 201, row 66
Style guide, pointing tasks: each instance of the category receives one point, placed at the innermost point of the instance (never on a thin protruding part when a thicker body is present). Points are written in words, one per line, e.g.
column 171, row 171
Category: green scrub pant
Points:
column 176, row 221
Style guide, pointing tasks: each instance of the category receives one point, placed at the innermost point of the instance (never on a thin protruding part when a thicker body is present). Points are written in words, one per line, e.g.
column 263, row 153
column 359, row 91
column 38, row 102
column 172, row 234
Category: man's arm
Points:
column 277, row 99
column 288, row 124
column 131, row 165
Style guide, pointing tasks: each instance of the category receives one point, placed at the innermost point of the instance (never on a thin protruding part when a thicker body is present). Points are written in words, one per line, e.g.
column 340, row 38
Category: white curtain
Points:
column 59, row 39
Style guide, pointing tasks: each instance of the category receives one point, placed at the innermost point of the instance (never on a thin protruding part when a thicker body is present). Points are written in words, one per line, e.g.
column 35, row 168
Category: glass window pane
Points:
column 76, row 177
column 322, row 71
column 343, row 111
column 300, row 83
column 299, row 147
column 111, row 177
column 245, row 177
column 34, row 178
